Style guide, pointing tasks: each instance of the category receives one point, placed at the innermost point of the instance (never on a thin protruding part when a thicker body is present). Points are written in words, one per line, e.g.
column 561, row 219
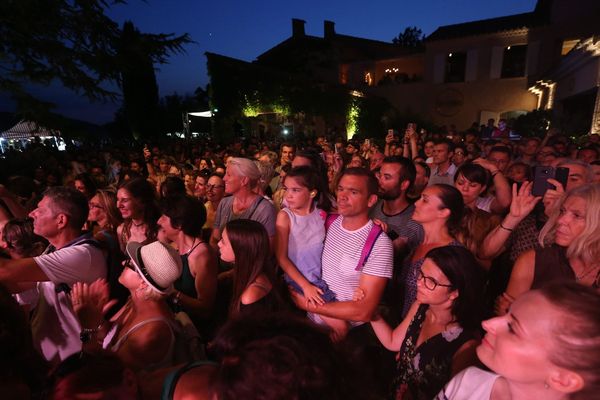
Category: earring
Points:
column 313, row 194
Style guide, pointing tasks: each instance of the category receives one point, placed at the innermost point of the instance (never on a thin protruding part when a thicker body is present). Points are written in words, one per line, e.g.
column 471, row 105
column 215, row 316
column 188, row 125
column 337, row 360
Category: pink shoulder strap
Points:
column 368, row 247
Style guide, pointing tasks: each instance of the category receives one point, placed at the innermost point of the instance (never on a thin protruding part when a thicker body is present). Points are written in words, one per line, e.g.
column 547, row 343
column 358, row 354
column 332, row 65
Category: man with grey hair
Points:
column 71, row 257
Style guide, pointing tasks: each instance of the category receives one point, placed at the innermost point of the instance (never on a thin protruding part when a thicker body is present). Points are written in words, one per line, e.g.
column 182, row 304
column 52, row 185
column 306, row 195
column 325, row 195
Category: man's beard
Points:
column 390, row 195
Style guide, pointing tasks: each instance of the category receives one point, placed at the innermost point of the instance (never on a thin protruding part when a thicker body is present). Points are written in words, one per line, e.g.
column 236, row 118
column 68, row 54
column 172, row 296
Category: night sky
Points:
column 245, row 29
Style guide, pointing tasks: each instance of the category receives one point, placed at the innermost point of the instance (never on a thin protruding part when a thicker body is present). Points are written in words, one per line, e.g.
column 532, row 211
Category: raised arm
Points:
column 502, row 197
column 15, row 272
column 523, row 202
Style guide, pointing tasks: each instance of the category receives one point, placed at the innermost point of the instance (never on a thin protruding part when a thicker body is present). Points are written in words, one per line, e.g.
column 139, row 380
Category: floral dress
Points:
column 424, row 370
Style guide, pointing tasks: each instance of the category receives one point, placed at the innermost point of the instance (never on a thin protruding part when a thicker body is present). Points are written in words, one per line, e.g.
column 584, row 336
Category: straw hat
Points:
column 157, row 263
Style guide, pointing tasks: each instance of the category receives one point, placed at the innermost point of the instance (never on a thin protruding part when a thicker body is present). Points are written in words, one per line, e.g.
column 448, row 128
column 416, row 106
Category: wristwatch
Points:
column 86, row 334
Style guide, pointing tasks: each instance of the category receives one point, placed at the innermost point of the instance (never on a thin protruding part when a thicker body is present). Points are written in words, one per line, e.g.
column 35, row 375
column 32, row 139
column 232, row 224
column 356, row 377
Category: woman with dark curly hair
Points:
column 136, row 200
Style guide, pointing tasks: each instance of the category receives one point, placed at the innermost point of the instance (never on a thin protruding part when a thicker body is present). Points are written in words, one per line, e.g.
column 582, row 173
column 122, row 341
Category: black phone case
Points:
column 540, row 180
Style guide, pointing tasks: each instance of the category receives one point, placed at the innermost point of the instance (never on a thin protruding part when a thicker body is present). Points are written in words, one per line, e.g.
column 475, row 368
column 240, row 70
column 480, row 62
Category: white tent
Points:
column 27, row 129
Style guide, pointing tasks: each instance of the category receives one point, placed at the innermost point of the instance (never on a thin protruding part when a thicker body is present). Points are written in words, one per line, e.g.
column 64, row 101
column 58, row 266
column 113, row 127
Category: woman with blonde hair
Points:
column 241, row 179
column 547, row 347
column 570, row 247
column 104, row 214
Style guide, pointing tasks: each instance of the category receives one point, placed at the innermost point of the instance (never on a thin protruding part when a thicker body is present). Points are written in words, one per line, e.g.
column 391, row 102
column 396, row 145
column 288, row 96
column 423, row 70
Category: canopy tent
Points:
column 27, row 129
column 23, row 131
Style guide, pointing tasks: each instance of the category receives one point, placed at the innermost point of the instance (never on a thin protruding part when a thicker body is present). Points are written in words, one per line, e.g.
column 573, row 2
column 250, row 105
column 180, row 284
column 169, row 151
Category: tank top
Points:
column 305, row 242
column 167, row 360
column 186, row 283
column 551, row 264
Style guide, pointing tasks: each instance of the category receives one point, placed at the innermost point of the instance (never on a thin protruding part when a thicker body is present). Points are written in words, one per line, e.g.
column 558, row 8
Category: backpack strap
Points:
column 368, row 247
column 329, row 220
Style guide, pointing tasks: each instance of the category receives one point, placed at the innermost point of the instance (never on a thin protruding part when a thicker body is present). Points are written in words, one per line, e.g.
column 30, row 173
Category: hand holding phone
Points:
column 547, row 178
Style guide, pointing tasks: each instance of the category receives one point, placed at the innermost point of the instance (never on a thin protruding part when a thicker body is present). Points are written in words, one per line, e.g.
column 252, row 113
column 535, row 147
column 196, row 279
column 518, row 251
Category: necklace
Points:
column 586, row 272
column 137, row 225
column 187, row 253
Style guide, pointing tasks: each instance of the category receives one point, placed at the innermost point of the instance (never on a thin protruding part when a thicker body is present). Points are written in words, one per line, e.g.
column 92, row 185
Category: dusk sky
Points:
column 245, row 29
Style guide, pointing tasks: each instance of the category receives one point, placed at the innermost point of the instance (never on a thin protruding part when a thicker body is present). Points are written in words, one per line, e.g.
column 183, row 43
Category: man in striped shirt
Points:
column 346, row 237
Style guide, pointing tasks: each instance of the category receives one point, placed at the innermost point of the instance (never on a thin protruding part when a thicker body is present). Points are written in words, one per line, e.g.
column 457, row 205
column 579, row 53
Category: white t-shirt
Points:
column 54, row 326
column 470, row 384
column 341, row 254
column 485, row 203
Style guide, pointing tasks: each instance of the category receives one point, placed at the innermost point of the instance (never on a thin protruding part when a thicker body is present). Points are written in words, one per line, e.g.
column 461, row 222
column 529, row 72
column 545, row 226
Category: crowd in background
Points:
column 419, row 265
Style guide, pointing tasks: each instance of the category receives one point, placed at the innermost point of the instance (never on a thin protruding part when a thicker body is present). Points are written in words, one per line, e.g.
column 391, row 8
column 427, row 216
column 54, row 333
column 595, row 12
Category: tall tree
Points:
column 412, row 37
column 72, row 41
column 138, row 82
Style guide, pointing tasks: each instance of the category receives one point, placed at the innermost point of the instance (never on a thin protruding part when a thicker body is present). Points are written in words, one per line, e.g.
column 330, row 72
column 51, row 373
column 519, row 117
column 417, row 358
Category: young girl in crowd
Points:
column 245, row 243
column 300, row 237
column 546, row 347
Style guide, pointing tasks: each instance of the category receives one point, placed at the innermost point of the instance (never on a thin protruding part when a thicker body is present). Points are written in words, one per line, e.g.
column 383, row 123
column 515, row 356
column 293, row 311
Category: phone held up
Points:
column 541, row 176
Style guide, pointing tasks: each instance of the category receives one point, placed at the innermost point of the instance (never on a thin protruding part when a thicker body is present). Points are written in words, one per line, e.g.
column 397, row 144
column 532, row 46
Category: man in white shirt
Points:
column 71, row 257
column 443, row 170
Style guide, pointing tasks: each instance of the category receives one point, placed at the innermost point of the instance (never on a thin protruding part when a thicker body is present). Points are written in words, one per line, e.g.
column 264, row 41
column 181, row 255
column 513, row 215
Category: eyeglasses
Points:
column 95, row 205
column 429, row 282
column 212, row 187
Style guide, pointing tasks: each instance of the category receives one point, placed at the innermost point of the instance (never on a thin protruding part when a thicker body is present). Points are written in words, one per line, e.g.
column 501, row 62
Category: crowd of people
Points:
column 419, row 266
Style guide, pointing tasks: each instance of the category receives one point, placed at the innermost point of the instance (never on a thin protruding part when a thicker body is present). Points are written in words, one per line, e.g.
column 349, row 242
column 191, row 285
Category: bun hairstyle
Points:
column 451, row 199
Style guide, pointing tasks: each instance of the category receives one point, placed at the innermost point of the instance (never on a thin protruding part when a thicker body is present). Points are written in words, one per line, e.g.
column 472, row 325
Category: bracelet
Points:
column 505, row 228
column 496, row 173
column 86, row 333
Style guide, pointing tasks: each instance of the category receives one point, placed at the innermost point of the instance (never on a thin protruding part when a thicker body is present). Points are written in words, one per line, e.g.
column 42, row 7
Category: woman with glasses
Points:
column 215, row 191
column 439, row 211
column 103, row 219
column 104, row 214
column 438, row 336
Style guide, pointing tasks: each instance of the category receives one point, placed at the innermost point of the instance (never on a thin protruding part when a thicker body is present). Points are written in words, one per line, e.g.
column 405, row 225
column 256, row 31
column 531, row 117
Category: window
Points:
column 513, row 61
column 456, row 64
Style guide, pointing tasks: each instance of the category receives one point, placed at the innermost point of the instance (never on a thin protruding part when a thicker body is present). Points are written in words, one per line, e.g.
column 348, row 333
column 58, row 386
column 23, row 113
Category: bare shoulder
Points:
column 254, row 293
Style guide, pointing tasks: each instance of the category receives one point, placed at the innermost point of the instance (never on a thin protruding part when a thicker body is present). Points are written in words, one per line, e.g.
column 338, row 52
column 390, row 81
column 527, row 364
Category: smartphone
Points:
column 541, row 176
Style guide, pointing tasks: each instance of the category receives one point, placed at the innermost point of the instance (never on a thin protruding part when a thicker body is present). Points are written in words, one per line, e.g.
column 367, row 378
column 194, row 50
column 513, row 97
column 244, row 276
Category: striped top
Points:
column 341, row 254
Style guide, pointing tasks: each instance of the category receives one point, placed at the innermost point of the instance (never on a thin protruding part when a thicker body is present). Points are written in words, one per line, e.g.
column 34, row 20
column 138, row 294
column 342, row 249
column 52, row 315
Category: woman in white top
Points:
column 547, row 347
